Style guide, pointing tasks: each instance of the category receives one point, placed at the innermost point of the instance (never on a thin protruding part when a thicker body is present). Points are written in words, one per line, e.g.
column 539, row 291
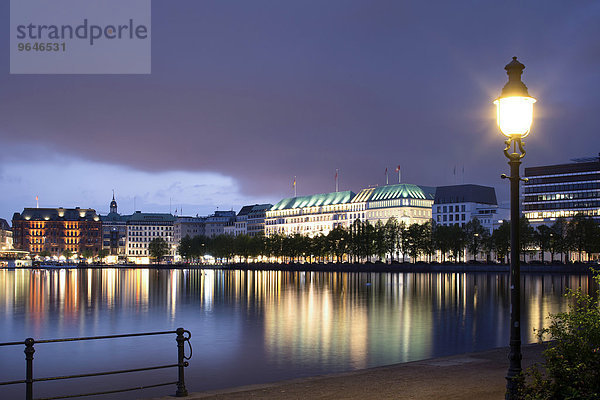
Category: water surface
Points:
column 255, row 326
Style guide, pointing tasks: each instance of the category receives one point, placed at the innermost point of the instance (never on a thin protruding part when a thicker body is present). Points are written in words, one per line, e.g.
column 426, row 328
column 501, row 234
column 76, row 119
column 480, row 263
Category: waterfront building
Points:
column 54, row 231
column 405, row 202
column 6, row 235
column 309, row 215
column 562, row 190
column 229, row 228
column 241, row 221
column 142, row 228
column 256, row 219
column 188, row 226
column 114, row 233
column 215, row 224
column 458, row 204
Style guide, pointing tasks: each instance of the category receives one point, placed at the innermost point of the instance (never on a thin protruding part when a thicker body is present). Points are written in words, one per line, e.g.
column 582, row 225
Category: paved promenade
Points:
column 471, row 376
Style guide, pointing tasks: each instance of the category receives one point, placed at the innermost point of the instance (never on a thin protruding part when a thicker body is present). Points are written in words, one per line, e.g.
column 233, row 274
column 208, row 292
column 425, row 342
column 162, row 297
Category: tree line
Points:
column 397, row 242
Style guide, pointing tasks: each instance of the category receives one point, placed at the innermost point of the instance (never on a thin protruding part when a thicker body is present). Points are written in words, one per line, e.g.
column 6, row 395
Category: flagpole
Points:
column 295, row 195
column 337, row 188
column 387, row 182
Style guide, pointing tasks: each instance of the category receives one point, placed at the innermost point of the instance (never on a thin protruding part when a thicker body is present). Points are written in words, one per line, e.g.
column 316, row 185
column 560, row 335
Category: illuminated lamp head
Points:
column 514, row 107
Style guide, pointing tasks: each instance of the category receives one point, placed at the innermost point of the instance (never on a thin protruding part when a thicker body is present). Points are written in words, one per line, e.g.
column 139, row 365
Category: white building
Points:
column 309, row 215
column 142, row 228
column 458, row 204
column 405, row 202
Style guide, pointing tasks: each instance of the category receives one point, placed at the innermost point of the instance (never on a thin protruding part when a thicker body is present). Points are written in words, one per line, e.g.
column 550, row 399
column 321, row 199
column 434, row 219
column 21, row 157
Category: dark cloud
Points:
column 267, row 90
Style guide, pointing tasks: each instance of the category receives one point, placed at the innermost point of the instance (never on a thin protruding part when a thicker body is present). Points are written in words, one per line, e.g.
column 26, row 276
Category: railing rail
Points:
column 183, row 336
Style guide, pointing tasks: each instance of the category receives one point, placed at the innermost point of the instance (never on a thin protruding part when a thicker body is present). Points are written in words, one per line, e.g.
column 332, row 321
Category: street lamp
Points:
column 515, row 114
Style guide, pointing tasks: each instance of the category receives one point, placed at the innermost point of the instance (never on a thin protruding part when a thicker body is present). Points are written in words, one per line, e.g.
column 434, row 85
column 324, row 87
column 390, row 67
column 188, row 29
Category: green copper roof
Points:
column 315, row 200
column 399, row 191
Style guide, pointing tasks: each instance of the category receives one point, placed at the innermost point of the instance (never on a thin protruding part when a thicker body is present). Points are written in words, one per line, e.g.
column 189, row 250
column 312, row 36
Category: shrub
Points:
column 572, row 358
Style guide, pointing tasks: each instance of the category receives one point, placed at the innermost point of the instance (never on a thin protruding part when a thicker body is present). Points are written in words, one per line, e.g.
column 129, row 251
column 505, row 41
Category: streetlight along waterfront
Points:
column 515, row 115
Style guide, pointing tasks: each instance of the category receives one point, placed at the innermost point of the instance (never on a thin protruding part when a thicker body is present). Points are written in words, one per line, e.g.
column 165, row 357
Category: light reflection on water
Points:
column 251, row 327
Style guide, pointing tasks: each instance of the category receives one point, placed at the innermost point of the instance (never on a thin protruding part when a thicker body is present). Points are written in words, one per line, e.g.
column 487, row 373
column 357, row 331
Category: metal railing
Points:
column 182, row 337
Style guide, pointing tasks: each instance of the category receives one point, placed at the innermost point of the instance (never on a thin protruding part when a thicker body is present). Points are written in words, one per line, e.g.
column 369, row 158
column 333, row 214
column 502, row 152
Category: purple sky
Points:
column 245, row 95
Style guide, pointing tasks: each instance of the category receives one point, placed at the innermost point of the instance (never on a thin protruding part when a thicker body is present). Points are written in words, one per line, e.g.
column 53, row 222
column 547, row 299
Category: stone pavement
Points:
column 470, row 376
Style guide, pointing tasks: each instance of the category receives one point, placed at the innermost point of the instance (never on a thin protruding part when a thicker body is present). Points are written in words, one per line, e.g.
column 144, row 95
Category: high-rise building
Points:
column 562, row 190
column 55, row 231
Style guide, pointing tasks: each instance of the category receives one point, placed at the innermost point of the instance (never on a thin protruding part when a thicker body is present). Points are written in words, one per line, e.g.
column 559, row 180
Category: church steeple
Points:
column 113, row 204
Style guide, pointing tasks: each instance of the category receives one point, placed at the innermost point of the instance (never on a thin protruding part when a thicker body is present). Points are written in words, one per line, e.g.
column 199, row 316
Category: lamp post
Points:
column 514, row 116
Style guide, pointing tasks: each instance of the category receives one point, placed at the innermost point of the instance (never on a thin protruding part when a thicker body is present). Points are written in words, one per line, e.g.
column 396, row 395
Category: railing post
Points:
column 29, row 350
column 181, row 390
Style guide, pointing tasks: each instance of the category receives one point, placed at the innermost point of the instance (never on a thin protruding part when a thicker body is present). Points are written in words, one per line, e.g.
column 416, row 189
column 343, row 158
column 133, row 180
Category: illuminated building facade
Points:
column 142, row 228
column 309, row 215
column 405, row 202
column 54, row 231
column 458, row 204
column 6, row 235
column 562, row 190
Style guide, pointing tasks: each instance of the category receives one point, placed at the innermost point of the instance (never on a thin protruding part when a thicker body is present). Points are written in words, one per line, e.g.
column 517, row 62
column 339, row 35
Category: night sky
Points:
column 245, row 95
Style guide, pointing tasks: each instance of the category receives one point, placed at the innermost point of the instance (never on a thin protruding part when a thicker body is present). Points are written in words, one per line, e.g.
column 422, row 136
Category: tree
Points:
column 501, row 240
column 582, row 233
column 185, row 248
column 442, row 239
column 87, row 253
column 572, row 358
column 158, row 248
column 102, row 253
column 67, row 253
column 527, row 235
column 474, row 236
column 561, row 244
column 458, row 241
column 543, row 238
column 391, row 237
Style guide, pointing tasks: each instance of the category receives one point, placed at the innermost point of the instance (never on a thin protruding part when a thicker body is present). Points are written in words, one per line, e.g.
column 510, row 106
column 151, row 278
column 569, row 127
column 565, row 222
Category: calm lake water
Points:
column 254, row 327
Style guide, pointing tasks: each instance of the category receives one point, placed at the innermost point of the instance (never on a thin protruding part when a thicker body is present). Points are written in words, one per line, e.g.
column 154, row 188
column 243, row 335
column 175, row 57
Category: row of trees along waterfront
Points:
column 396, row 241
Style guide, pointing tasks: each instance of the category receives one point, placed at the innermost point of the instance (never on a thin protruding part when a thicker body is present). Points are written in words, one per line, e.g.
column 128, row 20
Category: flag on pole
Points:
column 294, row 186
column 399, row 174
column 37, row 202
column 336, row 180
